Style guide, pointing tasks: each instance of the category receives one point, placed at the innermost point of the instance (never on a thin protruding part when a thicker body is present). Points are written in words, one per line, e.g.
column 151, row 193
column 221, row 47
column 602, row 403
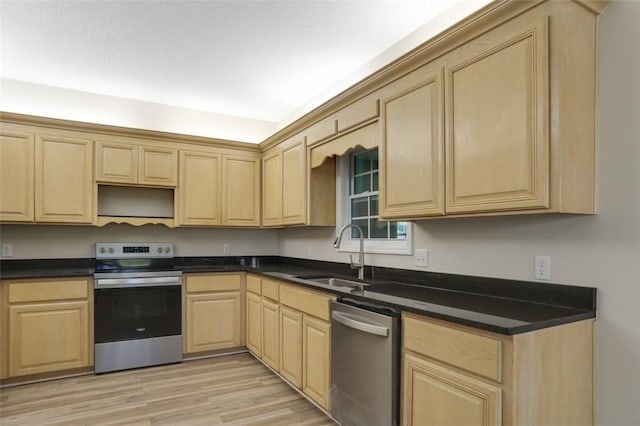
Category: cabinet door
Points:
column 272, row 189
column 48, row 337
column 436, row 396
column 291, row 345
column 16, row 176
column 116, row 162
column 294, row 185
column 412, row 161
column 199, row 201
column 316, row 341
column 64, row 179
column 241, row 191
column 271, row 333
column 212, row 321
column 498, row 122
column 158, row 166
column 254, row 324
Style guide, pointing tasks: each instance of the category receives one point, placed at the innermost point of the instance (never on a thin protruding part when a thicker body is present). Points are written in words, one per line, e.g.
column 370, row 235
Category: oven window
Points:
column 137, row 313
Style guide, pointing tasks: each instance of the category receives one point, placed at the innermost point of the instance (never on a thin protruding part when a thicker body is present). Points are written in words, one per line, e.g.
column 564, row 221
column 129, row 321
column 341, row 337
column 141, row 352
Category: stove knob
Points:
column 111, row 250
column 103, row 250
column 167, row 250
column 159, row 249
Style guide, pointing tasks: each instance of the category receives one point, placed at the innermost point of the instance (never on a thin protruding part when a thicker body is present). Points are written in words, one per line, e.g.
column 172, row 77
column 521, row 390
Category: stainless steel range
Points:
column 138, row 306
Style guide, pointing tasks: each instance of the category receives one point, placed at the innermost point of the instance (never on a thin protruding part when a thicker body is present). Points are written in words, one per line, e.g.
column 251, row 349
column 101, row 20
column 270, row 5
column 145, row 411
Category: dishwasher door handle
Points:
column 359, row 325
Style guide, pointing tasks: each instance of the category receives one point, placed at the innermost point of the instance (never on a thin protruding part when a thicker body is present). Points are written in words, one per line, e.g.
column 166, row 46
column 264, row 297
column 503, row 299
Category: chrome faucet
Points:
column 360, row 265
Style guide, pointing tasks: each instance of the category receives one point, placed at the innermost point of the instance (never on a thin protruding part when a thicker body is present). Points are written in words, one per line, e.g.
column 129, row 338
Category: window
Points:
column 358, row 204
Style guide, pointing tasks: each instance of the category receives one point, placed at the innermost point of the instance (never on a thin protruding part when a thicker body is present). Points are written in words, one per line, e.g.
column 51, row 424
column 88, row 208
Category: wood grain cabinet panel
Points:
column 158, row 166
column 48, row 337
column 130, row 163
column 212, row 313
column 199, row 193
column 116, row 162
column 497, row 135
column 213, row 321
column 64, row 180
column 270, row 312
column 16, row 176
column 254, row 324
column 272, row 188
column 294, row 188
column 436, row 396
column 412, row 151
column 316, row 368
column 241, row 191
column 46, row 326
column 291, row 345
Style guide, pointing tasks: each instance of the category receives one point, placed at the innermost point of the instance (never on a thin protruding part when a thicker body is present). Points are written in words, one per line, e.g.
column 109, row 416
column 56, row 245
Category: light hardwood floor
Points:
column 234, row 389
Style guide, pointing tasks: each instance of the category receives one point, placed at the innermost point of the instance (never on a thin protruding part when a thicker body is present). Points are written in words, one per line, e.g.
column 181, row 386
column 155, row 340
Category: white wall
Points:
column 47, row 101
column 601, row 251
column 45, row 242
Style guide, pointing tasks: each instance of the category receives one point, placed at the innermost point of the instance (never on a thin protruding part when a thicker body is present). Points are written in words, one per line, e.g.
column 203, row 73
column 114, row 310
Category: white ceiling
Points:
column 262, row 60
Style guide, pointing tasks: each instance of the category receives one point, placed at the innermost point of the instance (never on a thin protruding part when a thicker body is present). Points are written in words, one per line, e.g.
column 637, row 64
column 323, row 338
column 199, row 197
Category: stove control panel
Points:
column 133, row 250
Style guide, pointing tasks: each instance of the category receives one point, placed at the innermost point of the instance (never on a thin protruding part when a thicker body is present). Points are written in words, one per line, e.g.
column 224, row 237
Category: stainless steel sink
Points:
column 333, row 281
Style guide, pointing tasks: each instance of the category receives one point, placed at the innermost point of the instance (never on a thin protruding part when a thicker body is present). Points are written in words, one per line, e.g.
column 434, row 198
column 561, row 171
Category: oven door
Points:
column 128, row 313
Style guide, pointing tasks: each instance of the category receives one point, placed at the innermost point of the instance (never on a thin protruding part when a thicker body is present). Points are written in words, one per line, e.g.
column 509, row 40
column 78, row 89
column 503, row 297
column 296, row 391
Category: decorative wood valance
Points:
column 365, row 137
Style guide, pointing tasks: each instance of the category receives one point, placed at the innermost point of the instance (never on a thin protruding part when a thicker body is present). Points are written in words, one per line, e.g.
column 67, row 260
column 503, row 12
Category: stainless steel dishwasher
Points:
column 364, row 363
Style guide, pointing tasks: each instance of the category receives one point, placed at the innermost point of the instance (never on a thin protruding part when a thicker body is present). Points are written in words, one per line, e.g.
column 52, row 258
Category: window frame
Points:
column 343, row 196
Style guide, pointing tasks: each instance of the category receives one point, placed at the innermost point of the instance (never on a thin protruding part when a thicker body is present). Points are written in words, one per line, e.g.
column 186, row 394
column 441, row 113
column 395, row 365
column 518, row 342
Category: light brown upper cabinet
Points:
column 285, row 184
column 412, row 149
column 47, row 175
column 498, row 119
column 199, row 193
column 240, row 191
column 64, row 185
column 16, row 176
column 497, row 122
column 124, row 163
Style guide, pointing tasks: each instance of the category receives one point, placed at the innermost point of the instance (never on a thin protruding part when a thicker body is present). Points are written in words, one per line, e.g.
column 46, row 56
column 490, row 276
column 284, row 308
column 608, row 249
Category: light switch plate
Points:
column 421, row 257
column 7, row 250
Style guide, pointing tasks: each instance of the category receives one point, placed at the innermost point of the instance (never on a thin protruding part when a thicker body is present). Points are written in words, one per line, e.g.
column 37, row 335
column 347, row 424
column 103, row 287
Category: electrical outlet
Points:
column 421, row 257
column 7, row 250
column 542, row 268
column 226, row 248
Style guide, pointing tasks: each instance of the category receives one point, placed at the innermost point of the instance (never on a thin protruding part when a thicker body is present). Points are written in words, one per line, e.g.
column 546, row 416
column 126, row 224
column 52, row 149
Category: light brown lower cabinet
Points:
column 47, row 326
column 212, row 314
column 316, row 370
column 291, row 345
column 254, row 324
column 455, row 375
column 270, row 312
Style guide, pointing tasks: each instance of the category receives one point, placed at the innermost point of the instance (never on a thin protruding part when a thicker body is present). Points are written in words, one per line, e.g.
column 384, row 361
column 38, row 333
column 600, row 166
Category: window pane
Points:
column 398, row 230
column 374, row 205
column 362, row 163
column 378, row 229
column 374, row 159
column 375, row 181
column 361, row 184
column 362, row 223
column 360, row 207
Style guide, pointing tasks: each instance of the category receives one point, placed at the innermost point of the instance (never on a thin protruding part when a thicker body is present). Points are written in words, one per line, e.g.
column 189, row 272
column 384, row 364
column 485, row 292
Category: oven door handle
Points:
column 137, row 282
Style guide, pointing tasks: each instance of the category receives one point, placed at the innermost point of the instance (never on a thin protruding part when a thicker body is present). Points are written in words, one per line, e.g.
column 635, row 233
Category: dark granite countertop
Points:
column 498, row 305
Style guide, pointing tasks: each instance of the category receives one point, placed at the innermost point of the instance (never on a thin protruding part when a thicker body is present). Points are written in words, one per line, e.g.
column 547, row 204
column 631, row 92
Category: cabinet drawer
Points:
column 311, row 303
column 210, row 282
column 477, row 354
column 270, row 289
column 40, row 291
column 254, row 284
